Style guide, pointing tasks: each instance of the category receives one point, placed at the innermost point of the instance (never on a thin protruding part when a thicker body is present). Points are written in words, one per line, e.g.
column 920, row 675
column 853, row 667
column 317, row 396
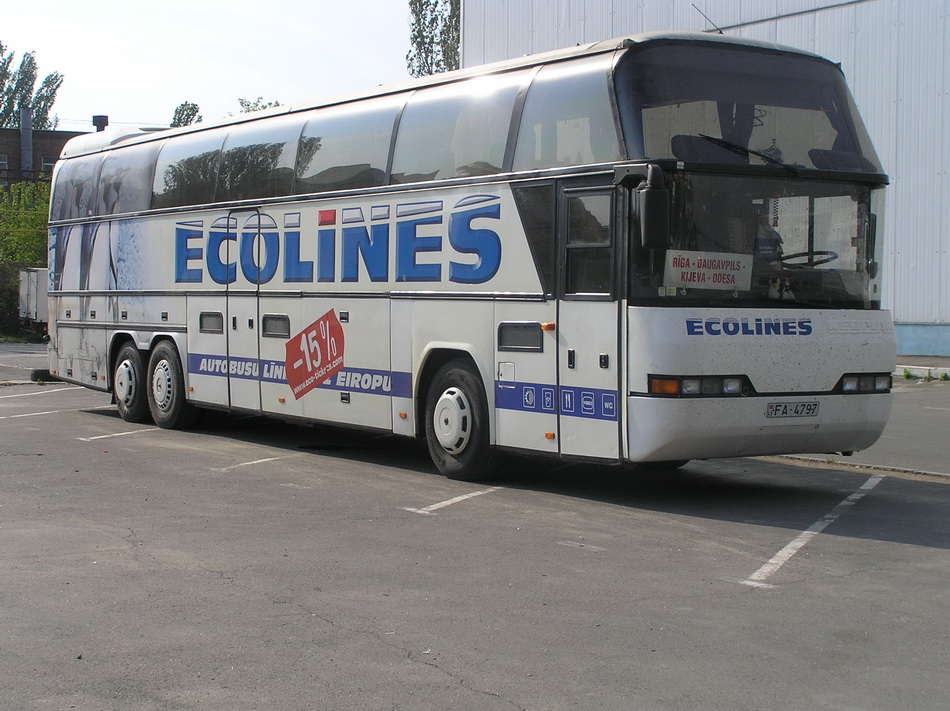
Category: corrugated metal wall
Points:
column 896, row 55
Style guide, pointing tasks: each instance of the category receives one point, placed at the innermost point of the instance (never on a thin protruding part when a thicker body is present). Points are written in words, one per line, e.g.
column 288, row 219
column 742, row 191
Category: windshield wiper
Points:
column 743, row 150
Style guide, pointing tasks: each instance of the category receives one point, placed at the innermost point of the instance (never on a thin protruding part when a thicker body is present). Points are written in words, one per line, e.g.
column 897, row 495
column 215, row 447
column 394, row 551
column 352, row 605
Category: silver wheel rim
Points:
column 162, row 385
column 452, row 420
column 125, row 384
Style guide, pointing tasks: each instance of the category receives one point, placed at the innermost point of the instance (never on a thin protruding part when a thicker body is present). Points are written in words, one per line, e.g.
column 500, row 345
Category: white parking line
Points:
column 247, row 464
column 55, row 412
column 40, row 392
column 758, row 578
column 448, row 502
column 118, row 434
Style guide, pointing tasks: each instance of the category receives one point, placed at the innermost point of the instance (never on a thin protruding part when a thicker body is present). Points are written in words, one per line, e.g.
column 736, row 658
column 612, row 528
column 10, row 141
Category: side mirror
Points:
column 653, row 205
column 870, row 240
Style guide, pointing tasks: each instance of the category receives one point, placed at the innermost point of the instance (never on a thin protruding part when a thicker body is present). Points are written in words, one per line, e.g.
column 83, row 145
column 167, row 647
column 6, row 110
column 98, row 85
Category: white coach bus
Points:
column 651, row 249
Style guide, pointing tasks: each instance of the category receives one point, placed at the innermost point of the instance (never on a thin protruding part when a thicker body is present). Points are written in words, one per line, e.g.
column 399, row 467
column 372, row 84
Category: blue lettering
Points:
column 804, row 327
column 185, row 254
column 408, row 244
column 270, row 244
column 294, row 268
column 220, row 272
column 712, row 327
column 326, row 254
column 694, row 327
column 375, row 252
column 730, row 326
column 484, row 243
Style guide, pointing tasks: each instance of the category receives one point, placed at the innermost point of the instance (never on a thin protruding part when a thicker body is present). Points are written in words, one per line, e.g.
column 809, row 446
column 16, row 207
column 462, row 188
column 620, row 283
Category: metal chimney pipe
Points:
column 26, row 142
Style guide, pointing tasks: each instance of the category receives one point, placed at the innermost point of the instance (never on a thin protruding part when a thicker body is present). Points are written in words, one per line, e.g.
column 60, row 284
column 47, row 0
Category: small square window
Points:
column 211, row 322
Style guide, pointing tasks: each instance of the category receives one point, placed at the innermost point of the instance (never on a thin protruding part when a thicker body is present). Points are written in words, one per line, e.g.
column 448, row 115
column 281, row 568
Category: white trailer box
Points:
column 33, row 305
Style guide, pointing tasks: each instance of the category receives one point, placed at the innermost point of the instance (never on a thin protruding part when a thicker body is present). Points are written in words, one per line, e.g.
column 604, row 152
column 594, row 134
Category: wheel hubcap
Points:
column 453, row 421
column 162, row 385
column 125, row 385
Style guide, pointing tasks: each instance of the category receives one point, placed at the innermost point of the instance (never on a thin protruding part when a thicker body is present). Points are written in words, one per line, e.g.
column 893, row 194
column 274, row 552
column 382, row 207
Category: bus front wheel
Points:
column 456, row 421
column 166, row 389
column 129, row 384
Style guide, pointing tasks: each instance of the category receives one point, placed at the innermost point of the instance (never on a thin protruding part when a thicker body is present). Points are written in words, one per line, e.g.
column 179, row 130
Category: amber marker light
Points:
column 665, row 386
column 548, row 326
column 548, row 435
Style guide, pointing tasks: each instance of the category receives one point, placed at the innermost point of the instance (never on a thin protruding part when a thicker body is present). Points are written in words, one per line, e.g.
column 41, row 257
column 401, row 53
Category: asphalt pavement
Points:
column 915, row 440
column 254, row 565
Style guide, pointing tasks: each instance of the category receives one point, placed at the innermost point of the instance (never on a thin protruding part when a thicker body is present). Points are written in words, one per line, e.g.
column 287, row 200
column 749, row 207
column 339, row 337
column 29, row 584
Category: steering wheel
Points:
column 823, row 257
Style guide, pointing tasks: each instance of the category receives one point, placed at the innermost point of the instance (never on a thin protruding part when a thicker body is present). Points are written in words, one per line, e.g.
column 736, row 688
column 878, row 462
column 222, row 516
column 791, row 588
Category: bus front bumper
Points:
column 665, row 429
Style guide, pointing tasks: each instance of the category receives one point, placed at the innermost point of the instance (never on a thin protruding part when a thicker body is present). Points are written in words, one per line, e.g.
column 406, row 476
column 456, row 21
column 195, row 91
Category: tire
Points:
column 457, row 424
column 166, row 389
column 129, row 384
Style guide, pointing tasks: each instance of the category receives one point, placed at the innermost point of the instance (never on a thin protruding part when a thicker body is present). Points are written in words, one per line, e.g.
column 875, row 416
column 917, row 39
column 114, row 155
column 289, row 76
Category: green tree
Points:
column 435, row 36
column 24, row 209
column 18, row 88
column 257, row 104
column 186, row 114
column 23, row 212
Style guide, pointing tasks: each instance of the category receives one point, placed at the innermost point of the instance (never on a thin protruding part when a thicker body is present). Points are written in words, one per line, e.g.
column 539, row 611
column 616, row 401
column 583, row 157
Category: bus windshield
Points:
column 746, row 241
column 722, row 105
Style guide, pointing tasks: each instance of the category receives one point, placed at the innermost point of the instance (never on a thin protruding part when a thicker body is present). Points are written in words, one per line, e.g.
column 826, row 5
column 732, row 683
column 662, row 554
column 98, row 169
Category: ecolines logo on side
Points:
column 389, row 241
column 758, row 326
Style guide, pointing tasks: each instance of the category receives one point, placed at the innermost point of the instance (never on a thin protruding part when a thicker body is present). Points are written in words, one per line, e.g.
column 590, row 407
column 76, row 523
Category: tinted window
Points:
column 588, row 245
column 709, row 104
column 125, row 182
column 258, row 159
column 568, row 118
column 74, row 191
column 187, row 169
column 456, row 131
column 536, row 208
column 346, row 147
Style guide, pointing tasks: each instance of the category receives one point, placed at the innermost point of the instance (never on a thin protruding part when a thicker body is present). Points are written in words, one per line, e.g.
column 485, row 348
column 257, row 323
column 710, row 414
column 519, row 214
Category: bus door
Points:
column 588, row 324
column 250, row 257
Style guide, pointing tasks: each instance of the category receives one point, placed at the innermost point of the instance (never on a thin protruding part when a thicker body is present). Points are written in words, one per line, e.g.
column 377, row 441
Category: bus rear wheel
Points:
column 129, row 384
column 166, row 389
column 457, row 423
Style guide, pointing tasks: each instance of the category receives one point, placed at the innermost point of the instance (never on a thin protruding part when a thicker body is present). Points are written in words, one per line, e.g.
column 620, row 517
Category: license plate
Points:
column 792, row 409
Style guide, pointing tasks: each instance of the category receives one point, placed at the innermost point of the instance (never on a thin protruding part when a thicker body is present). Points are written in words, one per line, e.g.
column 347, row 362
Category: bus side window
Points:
column 588, row 245
column 125, row 182
column 75, row 187
column 346, row 148
column 536, row 208
column 568, row 118
column 457, row 130
column 257, row 160
column 187, row 169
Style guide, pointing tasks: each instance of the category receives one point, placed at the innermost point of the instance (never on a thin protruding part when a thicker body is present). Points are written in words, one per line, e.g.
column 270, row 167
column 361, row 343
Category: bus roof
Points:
column 115, row 136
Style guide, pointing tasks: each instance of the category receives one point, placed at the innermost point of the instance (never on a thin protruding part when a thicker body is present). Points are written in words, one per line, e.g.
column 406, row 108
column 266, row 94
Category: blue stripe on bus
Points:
column 373, row 382
column 590, row 403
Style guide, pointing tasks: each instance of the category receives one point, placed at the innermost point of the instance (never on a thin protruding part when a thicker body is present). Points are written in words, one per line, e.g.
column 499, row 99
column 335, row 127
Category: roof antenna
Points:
column 707, row 18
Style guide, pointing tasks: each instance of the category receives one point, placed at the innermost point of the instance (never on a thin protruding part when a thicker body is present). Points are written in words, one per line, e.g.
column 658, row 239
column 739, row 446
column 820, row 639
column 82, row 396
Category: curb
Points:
column 803, row 459
column 921, row 371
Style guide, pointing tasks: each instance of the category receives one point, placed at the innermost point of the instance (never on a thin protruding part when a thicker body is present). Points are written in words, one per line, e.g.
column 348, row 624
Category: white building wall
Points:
column 896, row 56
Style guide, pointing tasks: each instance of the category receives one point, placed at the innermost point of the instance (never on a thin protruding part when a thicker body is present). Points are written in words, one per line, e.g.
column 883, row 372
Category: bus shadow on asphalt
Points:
column 755, row 491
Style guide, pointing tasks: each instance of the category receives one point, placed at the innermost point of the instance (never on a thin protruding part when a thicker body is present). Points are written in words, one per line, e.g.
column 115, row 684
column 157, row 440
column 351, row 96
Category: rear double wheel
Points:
column 457, row 423
column 129, row 384
column 166, row 389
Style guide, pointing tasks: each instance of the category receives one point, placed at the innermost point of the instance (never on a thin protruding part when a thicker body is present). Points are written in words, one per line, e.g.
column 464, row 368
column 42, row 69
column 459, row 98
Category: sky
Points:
column 136, row 62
